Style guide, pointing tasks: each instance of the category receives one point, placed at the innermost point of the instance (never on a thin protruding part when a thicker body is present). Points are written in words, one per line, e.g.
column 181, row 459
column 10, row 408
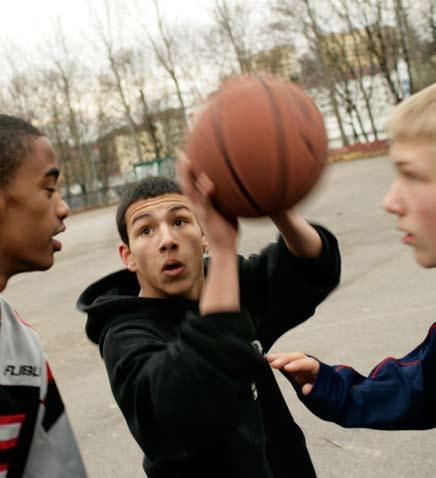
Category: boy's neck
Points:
column 193, row 294
column 3, row 281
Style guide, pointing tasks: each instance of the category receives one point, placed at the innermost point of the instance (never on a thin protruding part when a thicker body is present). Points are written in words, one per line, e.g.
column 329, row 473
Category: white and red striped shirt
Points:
column 36, row 438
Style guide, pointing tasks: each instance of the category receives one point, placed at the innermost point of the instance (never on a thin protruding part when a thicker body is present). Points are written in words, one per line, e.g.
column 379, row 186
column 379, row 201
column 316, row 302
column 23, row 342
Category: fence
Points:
column 106, row 196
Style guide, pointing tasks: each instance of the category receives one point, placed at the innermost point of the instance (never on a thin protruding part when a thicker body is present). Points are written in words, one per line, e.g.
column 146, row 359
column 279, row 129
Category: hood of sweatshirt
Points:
column 115, row 297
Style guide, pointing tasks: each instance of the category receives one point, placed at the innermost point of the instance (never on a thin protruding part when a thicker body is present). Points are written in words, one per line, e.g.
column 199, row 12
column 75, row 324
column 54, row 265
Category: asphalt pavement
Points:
column 383, row 307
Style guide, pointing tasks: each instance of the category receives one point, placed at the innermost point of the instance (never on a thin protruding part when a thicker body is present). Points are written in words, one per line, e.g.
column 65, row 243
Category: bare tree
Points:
column 165, row 48
column 432, row 21
column 106, row 163
column 382, row 41
column 56, row 130
column 406, row 38
column 65, row 78
column 118, row 59
column 301, row 17
column 423, row 25
column 350, row 49
column 149, row 122
column 313, row 31
column 232, row 24
column 352, row 63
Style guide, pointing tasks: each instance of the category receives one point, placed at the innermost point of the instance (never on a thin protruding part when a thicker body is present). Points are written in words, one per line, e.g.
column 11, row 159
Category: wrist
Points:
column 223, row 251
column 221, row 290
column 283, row 217
column 300, row 237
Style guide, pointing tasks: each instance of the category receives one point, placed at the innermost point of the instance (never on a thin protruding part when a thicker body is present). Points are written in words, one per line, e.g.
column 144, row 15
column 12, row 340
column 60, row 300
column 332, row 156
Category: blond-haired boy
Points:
column 398, row 393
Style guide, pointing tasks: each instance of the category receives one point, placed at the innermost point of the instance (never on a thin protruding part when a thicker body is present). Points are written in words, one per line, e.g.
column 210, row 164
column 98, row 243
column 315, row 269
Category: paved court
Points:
column 384, row 306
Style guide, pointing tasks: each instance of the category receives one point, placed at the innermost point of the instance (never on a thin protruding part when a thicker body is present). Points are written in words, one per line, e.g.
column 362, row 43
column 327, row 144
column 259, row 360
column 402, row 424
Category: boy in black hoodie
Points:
column 181, row 339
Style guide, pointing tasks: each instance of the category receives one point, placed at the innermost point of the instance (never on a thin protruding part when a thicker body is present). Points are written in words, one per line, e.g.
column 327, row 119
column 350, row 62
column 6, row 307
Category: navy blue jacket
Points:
column 398, row 394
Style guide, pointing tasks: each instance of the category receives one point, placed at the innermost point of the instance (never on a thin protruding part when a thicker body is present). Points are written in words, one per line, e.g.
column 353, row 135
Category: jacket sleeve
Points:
column 200, row 378
column 397, row 394
column 281, row 290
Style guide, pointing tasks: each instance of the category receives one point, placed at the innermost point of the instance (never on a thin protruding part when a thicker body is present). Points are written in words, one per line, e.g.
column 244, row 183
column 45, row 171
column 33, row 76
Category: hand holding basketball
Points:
column 220, row 233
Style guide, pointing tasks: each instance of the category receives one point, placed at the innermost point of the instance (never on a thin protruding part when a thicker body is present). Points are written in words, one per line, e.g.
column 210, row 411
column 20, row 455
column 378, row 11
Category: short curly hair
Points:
column 16, row 135
column 149, row 187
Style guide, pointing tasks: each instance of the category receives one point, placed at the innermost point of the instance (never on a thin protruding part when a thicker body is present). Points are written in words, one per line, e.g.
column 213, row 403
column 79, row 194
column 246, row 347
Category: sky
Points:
column 26, row 23
column 29, row 43
column 27, row 27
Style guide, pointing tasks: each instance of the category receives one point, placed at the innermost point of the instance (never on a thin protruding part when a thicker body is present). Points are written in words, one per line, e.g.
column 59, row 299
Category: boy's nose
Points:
column 167, row 241
column 392, row 202
column 63, row 210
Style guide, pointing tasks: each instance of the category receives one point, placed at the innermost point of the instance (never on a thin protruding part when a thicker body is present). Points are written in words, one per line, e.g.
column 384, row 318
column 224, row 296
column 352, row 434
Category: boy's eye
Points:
column 51, row 190
column 179, row 222
column 146, row 231
column 411, row 176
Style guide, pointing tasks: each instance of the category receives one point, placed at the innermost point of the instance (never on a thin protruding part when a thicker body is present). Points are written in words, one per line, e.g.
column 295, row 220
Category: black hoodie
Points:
column 196, row 393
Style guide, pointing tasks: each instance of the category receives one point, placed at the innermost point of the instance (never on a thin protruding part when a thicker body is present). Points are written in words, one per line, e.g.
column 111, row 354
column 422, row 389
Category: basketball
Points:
column 262, row 142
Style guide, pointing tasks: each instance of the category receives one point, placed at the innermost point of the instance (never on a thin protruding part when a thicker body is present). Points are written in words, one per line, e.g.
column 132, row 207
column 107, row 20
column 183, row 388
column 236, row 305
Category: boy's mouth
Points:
column 57, row 245
column 408, row 238
column 172, row 268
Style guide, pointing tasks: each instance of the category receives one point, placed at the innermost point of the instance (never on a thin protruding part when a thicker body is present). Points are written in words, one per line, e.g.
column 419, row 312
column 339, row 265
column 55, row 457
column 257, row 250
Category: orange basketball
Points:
column 262, row 142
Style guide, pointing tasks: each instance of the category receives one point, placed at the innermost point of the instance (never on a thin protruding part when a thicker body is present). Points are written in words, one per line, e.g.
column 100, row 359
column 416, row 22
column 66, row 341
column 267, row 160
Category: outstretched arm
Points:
column 398, row 394
column 300, row 237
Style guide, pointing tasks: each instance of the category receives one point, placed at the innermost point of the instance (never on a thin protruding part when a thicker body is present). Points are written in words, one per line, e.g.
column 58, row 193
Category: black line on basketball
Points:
column 304, row 110
column 301, row 105
column 225, row 155
column 280, row 135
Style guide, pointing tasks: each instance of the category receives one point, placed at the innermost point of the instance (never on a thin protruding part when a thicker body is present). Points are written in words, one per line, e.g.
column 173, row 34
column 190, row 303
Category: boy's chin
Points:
column 181, row 291
column 33, row 266
column 44, row 264
column 428, row 262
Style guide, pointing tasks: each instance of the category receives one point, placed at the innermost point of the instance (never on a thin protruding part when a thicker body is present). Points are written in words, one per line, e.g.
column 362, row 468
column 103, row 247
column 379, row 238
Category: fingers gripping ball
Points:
column 263, row 144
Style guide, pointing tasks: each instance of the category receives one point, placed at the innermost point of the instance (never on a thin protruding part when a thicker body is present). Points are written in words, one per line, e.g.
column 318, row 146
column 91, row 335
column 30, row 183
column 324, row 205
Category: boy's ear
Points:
column 205, row 244
column 126, row 257
column 2, row 202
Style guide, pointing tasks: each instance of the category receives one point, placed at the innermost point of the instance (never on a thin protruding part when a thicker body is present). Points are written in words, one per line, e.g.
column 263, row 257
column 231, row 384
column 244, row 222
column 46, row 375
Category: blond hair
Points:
column 414, row 119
